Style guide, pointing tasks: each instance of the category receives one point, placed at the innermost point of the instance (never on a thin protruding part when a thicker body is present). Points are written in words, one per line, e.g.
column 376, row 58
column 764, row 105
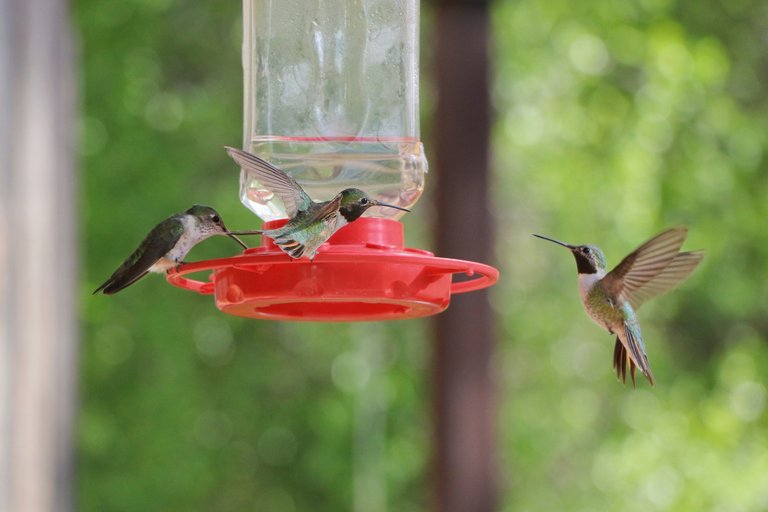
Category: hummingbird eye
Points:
column 364, row 201
column 216, row 219
column 586, row 250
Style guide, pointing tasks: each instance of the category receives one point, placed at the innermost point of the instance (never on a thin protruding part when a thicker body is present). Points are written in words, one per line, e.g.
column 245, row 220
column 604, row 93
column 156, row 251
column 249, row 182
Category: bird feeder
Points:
column 331, row 98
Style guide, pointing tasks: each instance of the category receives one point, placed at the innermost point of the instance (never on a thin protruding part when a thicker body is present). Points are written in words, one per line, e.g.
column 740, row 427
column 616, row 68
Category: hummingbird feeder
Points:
column 331, row 98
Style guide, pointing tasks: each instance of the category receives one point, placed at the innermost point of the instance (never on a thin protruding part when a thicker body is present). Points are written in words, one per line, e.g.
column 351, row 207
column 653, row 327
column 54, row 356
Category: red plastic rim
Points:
column 362, row 273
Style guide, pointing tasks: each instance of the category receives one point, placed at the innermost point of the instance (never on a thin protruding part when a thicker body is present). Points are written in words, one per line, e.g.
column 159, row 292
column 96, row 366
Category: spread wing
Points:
column 674, row 273
column 645, row 263
column 273, row 179
column 156, row 245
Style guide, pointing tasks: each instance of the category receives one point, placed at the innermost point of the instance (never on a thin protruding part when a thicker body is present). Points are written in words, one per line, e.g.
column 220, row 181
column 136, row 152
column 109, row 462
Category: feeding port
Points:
column 363, row 273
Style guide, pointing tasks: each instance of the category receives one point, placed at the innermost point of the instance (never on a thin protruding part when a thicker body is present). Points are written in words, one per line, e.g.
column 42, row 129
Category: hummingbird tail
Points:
column 291, row 247
column 115, row 284
column 622, row 360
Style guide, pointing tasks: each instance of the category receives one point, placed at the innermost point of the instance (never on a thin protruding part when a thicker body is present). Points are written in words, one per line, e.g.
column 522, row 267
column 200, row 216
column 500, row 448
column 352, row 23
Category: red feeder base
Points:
column 361, row 273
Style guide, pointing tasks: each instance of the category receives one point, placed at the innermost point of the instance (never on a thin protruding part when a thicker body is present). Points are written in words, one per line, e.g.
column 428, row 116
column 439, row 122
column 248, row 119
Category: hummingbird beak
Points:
column 243, row 233
column 379, row 203
column 558, row 242
column 233, row 237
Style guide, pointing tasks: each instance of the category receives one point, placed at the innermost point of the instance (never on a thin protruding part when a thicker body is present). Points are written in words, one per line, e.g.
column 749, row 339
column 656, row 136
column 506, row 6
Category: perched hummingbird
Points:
column 311, row 223
column 166, row 245
column 612, row 298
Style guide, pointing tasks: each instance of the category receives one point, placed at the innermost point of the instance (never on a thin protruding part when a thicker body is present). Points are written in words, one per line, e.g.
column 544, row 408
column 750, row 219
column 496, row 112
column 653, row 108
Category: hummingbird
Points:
column 612, row 298
column 311, row 223
column 166, row 245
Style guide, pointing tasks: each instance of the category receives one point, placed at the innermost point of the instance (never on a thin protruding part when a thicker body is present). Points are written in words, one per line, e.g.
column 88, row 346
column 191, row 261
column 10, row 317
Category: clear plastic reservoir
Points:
column 331, row 97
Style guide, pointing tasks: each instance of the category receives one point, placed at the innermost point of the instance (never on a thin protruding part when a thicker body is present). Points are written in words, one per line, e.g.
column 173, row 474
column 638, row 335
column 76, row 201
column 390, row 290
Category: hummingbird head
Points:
column 208, row 223
column 354, row 203
column 589, row 258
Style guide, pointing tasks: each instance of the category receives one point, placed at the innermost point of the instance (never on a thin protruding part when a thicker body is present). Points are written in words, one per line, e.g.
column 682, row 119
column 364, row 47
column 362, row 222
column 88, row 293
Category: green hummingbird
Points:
column 166, row 245
column 311, row 223
column 611, row 299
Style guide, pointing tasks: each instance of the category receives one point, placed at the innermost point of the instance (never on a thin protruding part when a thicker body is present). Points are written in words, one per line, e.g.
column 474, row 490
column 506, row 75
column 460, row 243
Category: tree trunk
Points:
column 465, row 413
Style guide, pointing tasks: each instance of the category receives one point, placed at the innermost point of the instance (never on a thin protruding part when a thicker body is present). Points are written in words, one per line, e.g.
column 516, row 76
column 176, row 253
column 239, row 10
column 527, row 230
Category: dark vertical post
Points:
column 464, row 412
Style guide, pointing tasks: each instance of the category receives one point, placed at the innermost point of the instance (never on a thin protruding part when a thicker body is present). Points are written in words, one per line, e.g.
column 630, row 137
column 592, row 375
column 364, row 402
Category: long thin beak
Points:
column 379, row 203
column 243, row 233
column 558, row 242
column 233, row 237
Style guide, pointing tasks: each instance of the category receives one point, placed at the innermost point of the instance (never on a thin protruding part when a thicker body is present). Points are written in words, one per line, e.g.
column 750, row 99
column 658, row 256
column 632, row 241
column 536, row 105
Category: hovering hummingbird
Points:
column 612, row 298
column 311, row 223
column 166, row 245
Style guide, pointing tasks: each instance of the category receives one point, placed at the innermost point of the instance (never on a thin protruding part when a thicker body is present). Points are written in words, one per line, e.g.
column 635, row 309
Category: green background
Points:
column 614, row 120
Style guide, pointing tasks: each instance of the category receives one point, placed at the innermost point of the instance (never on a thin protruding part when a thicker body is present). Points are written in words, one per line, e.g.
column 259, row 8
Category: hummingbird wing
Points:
column 287, row 189
column 155, row 245
column 644, row 263
column 310, row 229
column 674, row 273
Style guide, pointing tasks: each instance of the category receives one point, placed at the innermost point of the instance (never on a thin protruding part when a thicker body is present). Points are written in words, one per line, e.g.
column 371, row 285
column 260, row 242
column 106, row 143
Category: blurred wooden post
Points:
column 465, row 413
column 37, row 256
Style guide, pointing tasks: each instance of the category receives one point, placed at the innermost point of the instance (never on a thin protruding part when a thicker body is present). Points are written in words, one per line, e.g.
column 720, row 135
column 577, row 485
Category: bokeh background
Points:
column 613, row 121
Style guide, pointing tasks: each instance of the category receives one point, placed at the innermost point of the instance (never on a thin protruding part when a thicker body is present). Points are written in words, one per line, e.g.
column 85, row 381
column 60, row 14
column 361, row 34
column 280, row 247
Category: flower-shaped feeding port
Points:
column 362, row 273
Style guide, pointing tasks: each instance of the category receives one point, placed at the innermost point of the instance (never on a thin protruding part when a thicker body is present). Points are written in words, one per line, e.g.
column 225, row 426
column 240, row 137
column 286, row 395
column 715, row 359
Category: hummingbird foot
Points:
column 178, row 265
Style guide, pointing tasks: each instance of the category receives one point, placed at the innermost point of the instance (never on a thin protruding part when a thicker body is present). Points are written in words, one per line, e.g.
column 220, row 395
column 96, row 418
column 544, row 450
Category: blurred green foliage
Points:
column 614, row 121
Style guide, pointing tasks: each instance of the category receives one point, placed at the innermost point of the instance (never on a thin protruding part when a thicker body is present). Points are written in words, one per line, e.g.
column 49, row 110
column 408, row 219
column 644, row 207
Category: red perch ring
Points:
column 362, row 273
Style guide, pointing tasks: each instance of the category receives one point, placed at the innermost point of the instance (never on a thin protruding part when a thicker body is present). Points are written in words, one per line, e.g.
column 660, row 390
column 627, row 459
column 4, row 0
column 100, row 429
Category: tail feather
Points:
column 622, row 359
column 293, row 248
column 637, row 352
column 116, row 283
column 284, row 238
